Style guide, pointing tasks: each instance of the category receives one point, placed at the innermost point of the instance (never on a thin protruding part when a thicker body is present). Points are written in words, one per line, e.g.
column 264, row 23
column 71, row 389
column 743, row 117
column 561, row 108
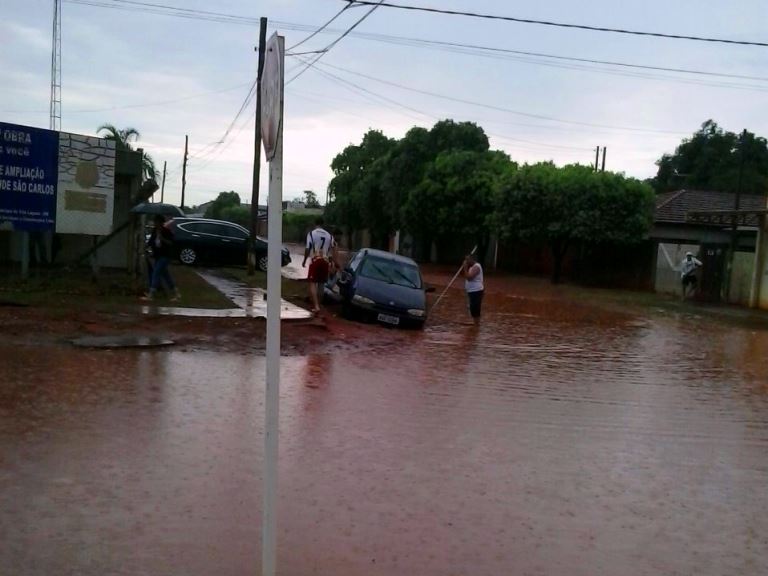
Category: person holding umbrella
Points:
column 161, row 243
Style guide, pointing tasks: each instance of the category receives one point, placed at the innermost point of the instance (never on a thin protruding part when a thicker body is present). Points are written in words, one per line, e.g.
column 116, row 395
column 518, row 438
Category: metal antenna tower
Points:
column 55, row 123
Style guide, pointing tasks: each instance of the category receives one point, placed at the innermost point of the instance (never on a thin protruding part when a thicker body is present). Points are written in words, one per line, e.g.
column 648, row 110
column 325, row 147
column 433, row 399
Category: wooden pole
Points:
column 184, row 171
column 257, row 151
column 603, row 168
column 162, row 189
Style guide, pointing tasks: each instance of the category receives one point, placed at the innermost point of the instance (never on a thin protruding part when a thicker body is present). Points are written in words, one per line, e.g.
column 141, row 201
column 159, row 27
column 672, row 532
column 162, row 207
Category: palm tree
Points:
column 123, row 139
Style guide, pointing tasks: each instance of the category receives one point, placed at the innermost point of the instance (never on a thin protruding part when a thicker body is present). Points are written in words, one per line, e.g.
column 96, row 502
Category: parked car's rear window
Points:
column 391, row 271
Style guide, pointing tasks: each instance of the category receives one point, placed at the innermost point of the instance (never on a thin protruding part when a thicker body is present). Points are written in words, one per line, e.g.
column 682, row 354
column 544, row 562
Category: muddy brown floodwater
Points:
column 564, row 437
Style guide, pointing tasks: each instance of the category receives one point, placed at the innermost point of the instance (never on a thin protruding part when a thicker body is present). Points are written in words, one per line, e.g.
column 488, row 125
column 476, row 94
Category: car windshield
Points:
column 391, row 271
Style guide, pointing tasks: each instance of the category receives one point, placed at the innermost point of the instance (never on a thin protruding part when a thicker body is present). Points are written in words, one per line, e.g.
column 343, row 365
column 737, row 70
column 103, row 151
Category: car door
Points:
column 234, row 240
column 190, row 235
column 347, row 281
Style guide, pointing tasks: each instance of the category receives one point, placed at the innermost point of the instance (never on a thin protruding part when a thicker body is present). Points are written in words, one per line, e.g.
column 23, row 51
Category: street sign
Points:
column 272, row 95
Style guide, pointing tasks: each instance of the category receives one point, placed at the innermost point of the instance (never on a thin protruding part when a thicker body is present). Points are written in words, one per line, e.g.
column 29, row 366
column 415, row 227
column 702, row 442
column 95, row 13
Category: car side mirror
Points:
column 430, row 289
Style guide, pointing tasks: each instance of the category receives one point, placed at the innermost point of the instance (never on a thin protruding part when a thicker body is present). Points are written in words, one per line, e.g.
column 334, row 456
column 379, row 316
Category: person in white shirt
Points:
column 688, row 273
column 321, row 248
column 472, row 272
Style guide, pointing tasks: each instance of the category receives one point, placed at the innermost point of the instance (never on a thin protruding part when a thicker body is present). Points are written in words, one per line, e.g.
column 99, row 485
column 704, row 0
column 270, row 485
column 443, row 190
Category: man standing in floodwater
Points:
column 472, row 272
column 321, row 247
column 688, row 273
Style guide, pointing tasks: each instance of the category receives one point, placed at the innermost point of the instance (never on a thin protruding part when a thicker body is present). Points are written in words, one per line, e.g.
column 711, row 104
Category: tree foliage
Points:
column 456, row 195
column 310, row 199
column 374, row 181
column 711, row 160
column 560, row 207
column 123, row 139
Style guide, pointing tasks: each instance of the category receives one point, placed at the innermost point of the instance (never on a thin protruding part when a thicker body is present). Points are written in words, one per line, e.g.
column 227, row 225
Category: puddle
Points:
column 132, row 341
column 250, row 302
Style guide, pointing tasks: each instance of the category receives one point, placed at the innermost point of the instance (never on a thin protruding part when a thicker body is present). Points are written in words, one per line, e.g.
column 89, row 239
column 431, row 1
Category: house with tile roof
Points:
column 677, row 230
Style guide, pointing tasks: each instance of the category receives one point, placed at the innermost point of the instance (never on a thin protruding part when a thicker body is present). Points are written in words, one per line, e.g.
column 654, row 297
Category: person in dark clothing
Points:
column 161, row 244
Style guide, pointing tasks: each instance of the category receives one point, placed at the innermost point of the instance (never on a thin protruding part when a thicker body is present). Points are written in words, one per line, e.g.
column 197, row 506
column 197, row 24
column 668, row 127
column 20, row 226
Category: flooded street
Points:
column 565, row 436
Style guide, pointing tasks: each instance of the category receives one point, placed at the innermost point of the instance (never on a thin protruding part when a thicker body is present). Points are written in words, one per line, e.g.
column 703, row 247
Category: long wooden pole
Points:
column 184, row 171
column 257, row 150
column 450, row 283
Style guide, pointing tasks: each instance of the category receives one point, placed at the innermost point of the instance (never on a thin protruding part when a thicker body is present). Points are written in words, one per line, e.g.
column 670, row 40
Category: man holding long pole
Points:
column 472, row 272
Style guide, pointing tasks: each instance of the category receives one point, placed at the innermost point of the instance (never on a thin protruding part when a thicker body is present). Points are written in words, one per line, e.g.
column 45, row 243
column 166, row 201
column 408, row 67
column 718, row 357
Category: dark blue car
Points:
column 384, row 287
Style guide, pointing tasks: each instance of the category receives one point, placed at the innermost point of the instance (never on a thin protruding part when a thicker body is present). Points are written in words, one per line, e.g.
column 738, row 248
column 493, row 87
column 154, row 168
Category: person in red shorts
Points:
column 320, row 248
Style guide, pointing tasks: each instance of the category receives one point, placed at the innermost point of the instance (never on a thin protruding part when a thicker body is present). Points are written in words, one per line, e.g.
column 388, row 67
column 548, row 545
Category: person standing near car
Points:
column 472, row 272
column 320, row 248
column 161, row 243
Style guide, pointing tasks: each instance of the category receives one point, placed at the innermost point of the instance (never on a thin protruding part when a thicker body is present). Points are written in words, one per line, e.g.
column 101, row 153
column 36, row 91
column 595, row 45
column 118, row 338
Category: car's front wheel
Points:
column 263, row 262
column 188, row 256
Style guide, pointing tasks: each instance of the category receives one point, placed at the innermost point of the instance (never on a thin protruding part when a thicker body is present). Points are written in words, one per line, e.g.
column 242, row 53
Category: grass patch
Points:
column 111, row 291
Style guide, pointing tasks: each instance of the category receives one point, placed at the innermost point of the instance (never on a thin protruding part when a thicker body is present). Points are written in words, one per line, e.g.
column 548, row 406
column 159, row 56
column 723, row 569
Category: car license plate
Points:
column 387, row 318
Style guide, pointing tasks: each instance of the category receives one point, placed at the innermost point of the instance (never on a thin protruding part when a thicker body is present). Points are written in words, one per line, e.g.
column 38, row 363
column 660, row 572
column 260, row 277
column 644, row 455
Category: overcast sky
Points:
column 191, row 76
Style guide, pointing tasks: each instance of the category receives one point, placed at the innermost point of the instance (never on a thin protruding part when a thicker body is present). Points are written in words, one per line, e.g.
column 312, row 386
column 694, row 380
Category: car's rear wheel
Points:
column 263, row 263
column 188, row 256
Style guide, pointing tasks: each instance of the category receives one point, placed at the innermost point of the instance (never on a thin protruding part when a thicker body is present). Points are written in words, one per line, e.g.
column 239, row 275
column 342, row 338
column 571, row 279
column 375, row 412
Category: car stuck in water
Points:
column 383, row 287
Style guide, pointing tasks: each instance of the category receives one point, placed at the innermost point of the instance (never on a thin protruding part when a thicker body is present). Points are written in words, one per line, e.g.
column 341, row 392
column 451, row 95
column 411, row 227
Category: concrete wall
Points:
column 761, row 279
column 668, row 260
column 741, row 278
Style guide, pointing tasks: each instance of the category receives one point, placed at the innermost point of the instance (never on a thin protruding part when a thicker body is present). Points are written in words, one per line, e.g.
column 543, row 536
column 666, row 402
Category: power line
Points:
column 323, row 27
column 134, row 6
column 330, row 46
column 555, row 24
column 211, row 147
column 494, row 107
column 338, row 79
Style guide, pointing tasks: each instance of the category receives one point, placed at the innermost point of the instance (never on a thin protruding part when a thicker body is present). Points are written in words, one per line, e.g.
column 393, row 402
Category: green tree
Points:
column 123, row 141
column 456, row 196
column 711, row 160
column 350, row 190
column 310, row 199
column 236, row 213
column 564, row 206
column 223, row 202
column 372, row 181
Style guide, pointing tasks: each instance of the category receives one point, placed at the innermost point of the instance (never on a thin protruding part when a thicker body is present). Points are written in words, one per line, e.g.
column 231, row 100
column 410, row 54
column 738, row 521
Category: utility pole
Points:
column 597, row 158
column 735, row 219
column 162, row 188
column 257, row 149
column 603, row 168
column 184, row 170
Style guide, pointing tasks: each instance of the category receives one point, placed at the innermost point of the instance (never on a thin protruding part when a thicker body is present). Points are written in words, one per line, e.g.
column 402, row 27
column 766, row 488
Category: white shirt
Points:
column 319, row 243
column 688, row 266
column 474, row 284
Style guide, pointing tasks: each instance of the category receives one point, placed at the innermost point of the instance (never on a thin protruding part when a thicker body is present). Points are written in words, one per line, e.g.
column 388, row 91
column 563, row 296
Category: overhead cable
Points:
column 555, row 24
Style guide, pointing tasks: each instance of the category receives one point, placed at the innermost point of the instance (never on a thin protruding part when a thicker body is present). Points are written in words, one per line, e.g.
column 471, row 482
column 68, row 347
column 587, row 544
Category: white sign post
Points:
column 272, row 136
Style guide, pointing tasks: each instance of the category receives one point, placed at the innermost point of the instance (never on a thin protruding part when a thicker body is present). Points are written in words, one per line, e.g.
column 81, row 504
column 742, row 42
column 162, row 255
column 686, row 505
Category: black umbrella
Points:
column 157, row 208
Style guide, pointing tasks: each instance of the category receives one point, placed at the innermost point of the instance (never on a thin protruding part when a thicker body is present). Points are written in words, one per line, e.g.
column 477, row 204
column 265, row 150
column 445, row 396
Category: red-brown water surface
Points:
column 564, row 436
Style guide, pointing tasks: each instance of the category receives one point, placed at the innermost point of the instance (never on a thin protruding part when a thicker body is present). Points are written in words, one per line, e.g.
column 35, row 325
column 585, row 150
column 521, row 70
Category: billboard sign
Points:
column 56, row 181
column 86, row 185
column 28, row 174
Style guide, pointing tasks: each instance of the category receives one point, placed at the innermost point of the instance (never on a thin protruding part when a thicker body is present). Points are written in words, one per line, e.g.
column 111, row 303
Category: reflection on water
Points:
column 559, row 437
